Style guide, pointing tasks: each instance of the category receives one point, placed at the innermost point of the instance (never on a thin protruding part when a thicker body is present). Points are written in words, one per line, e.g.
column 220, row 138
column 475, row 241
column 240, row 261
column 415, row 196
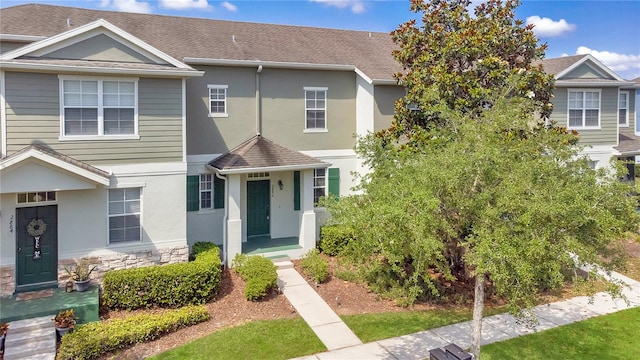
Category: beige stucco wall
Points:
column 385, row 97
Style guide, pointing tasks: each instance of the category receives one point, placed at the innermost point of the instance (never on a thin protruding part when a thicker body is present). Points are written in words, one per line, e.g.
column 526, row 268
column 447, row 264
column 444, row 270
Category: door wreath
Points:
column 36, row 227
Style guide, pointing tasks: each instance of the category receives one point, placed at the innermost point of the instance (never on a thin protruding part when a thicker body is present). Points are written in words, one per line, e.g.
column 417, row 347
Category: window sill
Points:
column 207, row 211
column 123, row 244
column 315, row 130
column 218, row 115
column 98, row 137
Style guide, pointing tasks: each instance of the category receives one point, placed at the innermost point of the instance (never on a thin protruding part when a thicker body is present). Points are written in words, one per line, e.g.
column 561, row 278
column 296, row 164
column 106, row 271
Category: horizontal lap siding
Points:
column 33, row 117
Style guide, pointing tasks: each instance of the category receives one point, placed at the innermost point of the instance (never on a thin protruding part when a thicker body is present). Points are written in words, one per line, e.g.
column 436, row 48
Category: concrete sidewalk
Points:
column 494, row 328
column 327, row 325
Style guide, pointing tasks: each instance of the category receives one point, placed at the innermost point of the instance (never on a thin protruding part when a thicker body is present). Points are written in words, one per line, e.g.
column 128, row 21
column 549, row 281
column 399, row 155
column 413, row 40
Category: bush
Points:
column 335, row 238
column 199, row 247
column 95, row 339
column 315, row 266
column 173, row 285
column 259, row 273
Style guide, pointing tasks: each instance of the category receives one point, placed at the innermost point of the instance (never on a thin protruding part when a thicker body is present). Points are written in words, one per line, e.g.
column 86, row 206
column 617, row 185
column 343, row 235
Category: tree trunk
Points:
column 478, row 305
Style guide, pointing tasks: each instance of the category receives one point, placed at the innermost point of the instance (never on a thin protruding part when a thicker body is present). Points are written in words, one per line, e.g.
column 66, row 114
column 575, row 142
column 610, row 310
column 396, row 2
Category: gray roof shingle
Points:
column 629, row 143
column 59, row 156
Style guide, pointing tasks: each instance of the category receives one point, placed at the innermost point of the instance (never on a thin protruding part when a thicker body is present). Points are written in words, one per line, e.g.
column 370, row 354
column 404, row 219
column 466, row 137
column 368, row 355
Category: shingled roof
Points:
column 629, row 143
column 183, row 37
column 555, row 66
column 261, row 153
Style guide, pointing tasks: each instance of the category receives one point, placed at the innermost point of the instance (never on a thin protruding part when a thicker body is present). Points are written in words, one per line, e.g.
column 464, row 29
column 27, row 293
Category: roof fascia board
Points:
column 592, row 83
column 32, row 153
column 99, row 70
column 590, row 57
column 385, row 82
column 21, row 38
column 269, row 168
column 86, row 28
column 363, row 76
column 271, row 64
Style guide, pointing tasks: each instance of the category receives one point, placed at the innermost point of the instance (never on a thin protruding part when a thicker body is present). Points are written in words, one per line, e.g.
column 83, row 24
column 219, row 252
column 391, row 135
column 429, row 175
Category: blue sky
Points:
column 608, row 29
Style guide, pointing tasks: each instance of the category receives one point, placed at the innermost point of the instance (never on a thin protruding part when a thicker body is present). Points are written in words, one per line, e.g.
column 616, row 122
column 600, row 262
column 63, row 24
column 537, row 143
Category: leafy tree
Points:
column 496, row 198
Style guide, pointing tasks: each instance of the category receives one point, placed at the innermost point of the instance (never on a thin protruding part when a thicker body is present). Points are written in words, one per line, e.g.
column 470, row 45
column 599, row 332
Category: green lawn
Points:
column 612, row 336
column 372, row 327
column 272, row 339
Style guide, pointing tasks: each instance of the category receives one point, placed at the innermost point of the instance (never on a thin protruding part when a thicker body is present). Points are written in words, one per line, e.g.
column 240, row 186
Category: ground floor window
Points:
column 319, row 184
column 124, row 215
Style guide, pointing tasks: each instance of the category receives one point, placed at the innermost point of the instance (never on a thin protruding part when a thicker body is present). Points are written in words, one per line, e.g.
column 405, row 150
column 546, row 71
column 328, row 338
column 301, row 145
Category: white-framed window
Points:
column 36, row 197
column 218, row 100
column 623, row 108
column 315, row 107
column 98, row 108
column 206, row 191
column 584, row 108
column 124, row 215
column 319, row 184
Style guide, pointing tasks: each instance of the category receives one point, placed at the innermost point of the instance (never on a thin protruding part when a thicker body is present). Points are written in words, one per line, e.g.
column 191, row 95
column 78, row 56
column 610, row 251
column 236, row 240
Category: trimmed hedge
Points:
column 95, row 339
column 199, row 247
column 259, row 273
column 315, row 266
column 173, row 285
column 335, row 238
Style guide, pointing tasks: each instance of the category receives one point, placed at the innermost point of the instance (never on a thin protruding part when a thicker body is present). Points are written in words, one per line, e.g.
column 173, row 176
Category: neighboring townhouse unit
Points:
column 125, row 138
column 599, row 105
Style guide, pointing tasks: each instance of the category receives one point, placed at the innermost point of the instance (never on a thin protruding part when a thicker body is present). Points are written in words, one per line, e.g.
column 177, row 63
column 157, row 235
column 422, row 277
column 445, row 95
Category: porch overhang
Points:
column 269, row 168
column 628, row 144
column 36, row 168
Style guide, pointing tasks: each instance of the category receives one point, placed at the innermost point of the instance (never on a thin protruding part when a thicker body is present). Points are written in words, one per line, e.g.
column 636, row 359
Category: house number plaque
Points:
column 37, row 253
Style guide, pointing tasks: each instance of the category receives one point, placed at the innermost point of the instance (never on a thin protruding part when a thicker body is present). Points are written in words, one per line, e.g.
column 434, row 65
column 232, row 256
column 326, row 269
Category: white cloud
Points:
column 229, row 6
column 133, row 6
column 616, row 62
column 548, row 27
column 356, row 6
column 184, row 4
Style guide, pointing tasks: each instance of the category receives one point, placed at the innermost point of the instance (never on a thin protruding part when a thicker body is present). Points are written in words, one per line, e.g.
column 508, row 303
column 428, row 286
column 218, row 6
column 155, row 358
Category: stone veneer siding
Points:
column 104, row 263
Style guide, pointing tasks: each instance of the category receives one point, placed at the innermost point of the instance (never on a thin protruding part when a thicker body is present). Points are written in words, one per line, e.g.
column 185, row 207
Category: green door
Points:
column 258, row 200
column 36, row 247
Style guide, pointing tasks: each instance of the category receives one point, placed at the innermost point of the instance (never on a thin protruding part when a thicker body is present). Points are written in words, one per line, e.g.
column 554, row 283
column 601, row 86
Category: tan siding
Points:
column 608, row 133
column 33, row 116
column 585, row 71
column 99, row 48
column 6, row 46
column 385, row 98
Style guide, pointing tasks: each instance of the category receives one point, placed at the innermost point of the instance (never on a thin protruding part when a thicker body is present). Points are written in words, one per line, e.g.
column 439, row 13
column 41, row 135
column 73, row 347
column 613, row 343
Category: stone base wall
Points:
column 7, row 280
column 124, row 261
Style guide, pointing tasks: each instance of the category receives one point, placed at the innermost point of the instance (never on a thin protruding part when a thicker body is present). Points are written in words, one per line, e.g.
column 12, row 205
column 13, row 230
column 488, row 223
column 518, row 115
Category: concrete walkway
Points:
column 331, row 330
column 494, row 328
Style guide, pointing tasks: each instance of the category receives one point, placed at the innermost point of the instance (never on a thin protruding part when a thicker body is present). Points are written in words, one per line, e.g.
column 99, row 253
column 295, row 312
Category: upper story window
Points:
column 315, row 99
column 98, row 108
column 623, row 108
column 584, row 109
column 218, row 100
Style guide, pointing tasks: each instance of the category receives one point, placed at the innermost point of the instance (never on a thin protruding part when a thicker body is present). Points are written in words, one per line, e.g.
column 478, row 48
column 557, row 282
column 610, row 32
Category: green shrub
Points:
column 199, row 247
column 259, row 273
column 171, row 285
column 335, row 238
column 95, row 339
column 315, row 266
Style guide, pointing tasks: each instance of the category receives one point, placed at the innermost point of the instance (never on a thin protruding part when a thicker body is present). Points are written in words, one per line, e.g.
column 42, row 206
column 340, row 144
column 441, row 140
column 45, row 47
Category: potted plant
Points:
column 65, row 321
column 3, row 332
column 80, row 274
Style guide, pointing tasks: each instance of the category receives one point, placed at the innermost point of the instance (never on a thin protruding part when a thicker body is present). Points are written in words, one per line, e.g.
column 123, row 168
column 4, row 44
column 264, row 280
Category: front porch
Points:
column 265, row 244
column 49, row 302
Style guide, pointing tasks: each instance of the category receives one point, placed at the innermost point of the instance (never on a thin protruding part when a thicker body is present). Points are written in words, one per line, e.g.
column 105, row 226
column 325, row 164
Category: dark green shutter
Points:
column 193, row 192
column 296, row 190
column 218, row 192
column 334, row 181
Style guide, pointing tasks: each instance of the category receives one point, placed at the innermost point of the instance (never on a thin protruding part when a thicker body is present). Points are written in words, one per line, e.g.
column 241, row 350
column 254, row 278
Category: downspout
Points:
column 258, row 110
column 225, row 237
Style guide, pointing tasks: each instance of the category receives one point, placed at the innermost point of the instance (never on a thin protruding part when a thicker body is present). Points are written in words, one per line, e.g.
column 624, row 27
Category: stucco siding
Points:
column 208, row 135
column 33, row 116
column 99, row 48
column 283, row 108
column 608, row 132
column 385, row 98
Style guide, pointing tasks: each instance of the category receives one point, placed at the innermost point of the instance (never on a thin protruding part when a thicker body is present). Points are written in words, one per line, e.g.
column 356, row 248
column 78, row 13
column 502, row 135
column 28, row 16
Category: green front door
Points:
column 258, row 200
column 36, row 247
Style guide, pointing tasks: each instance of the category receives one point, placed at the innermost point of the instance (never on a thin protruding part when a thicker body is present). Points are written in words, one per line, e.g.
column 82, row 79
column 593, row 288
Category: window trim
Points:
column 584, row 108
column 100, row 106
column 325, row 187
column 326, row 114
column 140, row 188
column 210, row 191
column 626, row 108
column 226, row 105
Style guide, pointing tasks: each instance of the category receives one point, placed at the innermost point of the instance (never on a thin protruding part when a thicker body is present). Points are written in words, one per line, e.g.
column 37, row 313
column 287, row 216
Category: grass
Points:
column 270, row 339
column 606, row 337
column 372, row 327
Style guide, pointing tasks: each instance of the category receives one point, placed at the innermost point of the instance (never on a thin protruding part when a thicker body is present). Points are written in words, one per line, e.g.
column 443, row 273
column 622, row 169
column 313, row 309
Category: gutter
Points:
column 100, row 70
column 270, row 64
column 270, row 168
